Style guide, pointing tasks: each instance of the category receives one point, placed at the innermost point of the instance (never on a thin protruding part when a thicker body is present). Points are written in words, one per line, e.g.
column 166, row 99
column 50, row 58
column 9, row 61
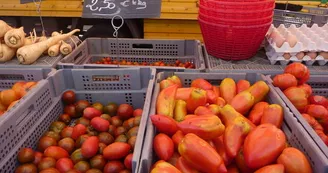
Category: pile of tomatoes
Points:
column 177, row 63
column 314, row 108
column 225, row 128
column 9, row 97
column 101, row 139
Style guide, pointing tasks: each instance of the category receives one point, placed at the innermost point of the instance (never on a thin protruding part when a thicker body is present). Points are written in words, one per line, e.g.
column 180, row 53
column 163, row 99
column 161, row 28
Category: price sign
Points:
column 125, row 8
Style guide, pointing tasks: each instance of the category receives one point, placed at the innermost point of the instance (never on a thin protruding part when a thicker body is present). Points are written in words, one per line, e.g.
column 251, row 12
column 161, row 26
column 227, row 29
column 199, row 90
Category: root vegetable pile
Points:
column 226, row 128
column 86, row 138
column 177, row 63
column 314, row 108
column 29, row 49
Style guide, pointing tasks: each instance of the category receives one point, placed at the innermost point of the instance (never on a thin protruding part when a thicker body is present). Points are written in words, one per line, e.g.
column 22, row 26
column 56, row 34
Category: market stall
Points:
column 221, row 87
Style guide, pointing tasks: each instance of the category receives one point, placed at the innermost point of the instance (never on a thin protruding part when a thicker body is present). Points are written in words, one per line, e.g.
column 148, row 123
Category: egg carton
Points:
column 307, row 39
column 287, row 58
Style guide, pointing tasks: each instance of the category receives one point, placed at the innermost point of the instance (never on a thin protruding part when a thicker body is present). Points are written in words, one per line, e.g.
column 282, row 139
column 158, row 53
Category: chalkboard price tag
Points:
column 128, row 9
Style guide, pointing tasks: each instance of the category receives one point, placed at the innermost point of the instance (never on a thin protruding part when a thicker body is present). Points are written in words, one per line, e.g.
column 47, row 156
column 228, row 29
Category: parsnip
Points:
column 6, row 53
column 65, row 48
column 54, row 50
column 28, row 41
column 4, row 27
column 15, row 38
column 29, row 54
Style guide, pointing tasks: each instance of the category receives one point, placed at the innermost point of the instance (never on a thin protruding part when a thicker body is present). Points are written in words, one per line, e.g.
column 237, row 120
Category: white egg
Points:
column 291, row 39
column 277, row 38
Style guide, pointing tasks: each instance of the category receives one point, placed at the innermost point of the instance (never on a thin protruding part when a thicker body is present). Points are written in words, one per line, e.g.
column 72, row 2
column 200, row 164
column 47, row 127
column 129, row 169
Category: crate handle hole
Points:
column 142, row 46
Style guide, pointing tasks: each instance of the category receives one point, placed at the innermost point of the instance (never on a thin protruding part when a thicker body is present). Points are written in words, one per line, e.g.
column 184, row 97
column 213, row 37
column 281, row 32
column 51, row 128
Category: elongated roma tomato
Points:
column 273, row 114
column 184, row 166
column 284, row 81
column 294, row 161
column 276, row 168
column 90, row 147
column 162, row 166
column 116, row 150
column 263, row 145
column 242, row 85
column 257, row 112
column 164, row 124
column 201, row 155
column 202, row 84
column 228, row 89
column 163, row 146
column 55, row 152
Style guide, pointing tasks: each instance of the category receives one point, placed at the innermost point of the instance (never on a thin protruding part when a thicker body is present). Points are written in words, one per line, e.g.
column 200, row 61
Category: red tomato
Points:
column 90, row 147
column 263, row 145
column 78, row 130
column 100, row 124
column 125, row 111
column 276, row 168
column 284, row 81
column 128, row 161
column 173, row 160
column 64, row 164
column 37, row 158
column 307, row 88
column 184, row 166
column 56, row 152
column 162, row 122
column 319, row 100
column 177, row 138
column 66, row 132
column 163, row 146
column 113, row 167
column 294, row 161
column 116, row 150
column 137, row 112
column 299, row 70
column 202, row 84
column 242, row 85
column 91, row 112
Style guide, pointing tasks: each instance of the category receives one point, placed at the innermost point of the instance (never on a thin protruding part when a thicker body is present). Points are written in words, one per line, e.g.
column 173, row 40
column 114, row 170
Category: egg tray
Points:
column 276, row 58
column 310, row 39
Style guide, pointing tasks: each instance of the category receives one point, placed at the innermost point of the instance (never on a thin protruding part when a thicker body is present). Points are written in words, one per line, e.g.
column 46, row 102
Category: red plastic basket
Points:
column 235, row 22
column 232, row 42
column 242, row 6
column 235, row 14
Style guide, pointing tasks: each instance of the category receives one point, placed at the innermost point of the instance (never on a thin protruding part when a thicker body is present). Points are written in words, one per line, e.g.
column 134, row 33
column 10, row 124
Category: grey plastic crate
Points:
column 295, row 133
column 133, row 86
column 136, row 50
column 45, row 62
column 315, row 15
column 16, row 121
column 319, row 84
column 257, row 64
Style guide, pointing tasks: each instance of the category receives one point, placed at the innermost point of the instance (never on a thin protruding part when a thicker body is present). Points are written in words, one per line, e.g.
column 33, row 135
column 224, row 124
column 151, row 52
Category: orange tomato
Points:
column 294, row 161
column 8, row 96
